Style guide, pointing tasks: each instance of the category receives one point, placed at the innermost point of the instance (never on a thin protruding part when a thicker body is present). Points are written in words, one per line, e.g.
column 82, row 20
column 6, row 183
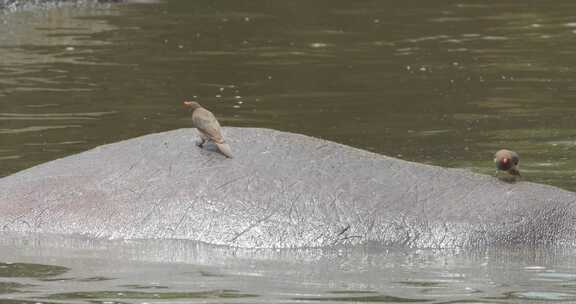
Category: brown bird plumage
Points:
column 208, row 127
column 507, row 160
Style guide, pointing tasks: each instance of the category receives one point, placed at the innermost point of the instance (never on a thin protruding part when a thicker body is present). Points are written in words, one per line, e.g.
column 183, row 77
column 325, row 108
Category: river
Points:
column 443, row 82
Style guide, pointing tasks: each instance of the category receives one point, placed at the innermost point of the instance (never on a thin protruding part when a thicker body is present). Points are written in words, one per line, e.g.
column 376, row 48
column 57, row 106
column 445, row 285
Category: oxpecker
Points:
column 507, row 161
column 208, row 127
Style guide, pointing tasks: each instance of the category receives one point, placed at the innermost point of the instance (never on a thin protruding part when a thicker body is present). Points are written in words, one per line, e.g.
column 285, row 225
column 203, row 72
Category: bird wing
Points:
column 207, row 124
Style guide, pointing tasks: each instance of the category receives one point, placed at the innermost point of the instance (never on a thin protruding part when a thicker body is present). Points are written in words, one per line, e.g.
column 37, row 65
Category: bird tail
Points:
column 224, row 149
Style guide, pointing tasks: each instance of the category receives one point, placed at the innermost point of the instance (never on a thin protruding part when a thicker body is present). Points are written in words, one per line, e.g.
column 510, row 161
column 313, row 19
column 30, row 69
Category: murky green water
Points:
column 441, row 82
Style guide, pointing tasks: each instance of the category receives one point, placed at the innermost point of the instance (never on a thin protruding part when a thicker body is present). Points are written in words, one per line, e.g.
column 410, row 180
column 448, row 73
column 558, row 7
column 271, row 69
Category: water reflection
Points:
column 10, row 287
column 175, row 271
column 13, row 270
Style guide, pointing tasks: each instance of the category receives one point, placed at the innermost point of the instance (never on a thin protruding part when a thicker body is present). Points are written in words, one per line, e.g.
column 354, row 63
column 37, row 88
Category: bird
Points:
column 507, row 161
column 208, row 127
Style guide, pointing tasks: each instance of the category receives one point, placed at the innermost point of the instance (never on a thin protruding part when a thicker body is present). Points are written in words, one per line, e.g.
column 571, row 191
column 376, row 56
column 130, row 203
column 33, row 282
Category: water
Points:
column 440, row 82
column 75, row 270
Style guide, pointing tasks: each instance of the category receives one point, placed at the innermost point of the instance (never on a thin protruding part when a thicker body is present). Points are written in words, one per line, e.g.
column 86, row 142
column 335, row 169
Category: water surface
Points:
column 53, row 269
column 442, row 82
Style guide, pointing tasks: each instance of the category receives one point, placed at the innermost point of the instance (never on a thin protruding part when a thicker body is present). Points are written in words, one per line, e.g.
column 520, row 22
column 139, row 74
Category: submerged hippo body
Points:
column 280, row 190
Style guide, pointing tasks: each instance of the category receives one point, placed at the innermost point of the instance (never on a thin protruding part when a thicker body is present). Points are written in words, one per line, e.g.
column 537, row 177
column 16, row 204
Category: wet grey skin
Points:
column 283, row 190
column 507, row 161
column 208, row 127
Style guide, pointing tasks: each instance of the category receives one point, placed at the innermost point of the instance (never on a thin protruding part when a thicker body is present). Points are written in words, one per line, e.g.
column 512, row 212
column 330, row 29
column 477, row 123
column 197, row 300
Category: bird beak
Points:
column 187, row 103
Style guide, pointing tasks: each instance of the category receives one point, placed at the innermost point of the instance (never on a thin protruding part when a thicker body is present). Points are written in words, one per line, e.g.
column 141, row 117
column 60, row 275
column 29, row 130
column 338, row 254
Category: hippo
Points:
column 281, row 190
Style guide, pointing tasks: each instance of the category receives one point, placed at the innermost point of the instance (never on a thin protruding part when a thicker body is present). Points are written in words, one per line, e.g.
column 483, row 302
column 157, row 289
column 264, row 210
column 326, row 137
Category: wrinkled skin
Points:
column 280, row 190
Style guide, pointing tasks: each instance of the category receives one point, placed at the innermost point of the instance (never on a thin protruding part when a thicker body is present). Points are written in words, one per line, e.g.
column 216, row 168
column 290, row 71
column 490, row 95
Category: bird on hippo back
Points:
column 507, row 161
column 208, row 127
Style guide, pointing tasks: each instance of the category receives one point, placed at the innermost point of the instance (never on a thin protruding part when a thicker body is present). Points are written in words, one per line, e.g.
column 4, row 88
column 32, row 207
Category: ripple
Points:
column 543, row 295
column 46, row 89
column 54, row 116
column 450, row 19
column 24, row 270
column 562, row 143
column 63, row 143
column 426, row 284
column 319, row 45
column 36, row 129
column 535, row 268
column 11, row 287
column 434, row 132
column 140, row 286
column 495, row 38
column 427, row 38
column 43, row 105
column 213, row 294
column 558, row 275
column 361, row 299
